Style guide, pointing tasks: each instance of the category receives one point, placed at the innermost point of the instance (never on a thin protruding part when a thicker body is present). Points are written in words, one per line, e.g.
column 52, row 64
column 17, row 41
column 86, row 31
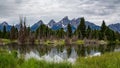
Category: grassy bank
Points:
column 11, row 61
column 47, row 42
column 108, row 60
column 59, row 42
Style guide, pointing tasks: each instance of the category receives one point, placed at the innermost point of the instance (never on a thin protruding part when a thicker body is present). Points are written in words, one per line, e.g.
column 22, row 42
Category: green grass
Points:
column 11, row 61
column 47, row 42
column 108, row 60
column 7, row 60
column 8, row 41
column 32, row 63
column 55, row 42
column 79, row 42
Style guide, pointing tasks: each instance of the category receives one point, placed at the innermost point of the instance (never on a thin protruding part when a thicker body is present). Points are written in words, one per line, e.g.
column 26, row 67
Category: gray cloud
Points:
column 93, row 10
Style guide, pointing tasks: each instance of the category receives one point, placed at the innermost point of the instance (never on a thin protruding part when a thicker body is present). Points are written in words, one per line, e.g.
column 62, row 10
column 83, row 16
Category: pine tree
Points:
column 69, row 31
column 88, row 32
column 16, row 32
column 102, row 31
column 61, row 33
column 117, row 36
column 28, row 31
column 0, row 34
column 4, row 32
column 103, row 26
column 95, row 34
column 82, row 29
column 109, row 34
column 42, row 31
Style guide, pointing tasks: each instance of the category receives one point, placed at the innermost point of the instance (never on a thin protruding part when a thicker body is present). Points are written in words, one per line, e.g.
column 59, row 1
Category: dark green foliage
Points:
column 102, row 48
column 60, row 33
column 95, row 34
column 43, row 31
column 117, row 34
column 0, row 34
column 103, row 27
column 110, row 35
column 81, row 30
column 69, row 31
column 88, row 32
column 4, row 34
column 102, row 31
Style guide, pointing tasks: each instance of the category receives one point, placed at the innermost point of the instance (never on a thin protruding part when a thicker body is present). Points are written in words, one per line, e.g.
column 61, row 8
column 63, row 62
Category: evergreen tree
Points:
column 16, row 32
column 0, row 34
column 103, row 26
column 61, row 33
column 95, row 34
column 69, row 31
column 118, row 36
column 28, row 31
column 102, row 31
column 78, row 33
column 109, row 34
column 82, row 28
column 42, row 31
column 88, row 32
column 4, row 32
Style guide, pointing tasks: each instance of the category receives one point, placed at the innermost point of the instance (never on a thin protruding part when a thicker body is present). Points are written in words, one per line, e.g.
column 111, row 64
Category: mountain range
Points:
column 62, row 24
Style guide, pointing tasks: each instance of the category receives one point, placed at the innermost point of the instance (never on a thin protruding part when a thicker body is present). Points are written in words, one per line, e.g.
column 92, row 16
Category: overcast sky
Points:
column 93, row 10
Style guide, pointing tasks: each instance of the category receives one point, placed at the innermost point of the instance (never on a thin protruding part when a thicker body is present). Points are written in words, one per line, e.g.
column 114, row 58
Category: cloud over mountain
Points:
column 93, row 10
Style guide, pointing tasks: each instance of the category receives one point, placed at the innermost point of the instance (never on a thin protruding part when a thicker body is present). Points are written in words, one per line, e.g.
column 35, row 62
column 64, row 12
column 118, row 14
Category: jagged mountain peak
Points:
column 66, row 17
column 4, row 23
column 115, row 27
column 8, row 27
column 36, row 25
column 63, row 24
column 52, row 21
column 40, row 22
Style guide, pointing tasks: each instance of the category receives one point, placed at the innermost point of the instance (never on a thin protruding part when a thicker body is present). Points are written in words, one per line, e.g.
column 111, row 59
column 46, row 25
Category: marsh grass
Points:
column 32, row 63
column 107, row 60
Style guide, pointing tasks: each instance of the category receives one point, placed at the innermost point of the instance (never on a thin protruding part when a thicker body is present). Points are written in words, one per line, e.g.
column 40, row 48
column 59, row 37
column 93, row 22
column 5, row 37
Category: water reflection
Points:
column 54, row 55
column 59, row 53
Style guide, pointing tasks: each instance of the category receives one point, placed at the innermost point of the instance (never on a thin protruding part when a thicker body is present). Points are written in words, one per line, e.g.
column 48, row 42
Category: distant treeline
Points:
column 24, row 34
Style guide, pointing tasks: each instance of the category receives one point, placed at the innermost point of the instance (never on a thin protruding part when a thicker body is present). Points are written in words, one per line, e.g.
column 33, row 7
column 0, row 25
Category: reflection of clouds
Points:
column 56, row 9
column 53, row 56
